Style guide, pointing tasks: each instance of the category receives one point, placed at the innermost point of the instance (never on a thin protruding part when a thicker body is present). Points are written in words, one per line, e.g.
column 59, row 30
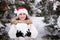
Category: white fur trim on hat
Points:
column 22, row 11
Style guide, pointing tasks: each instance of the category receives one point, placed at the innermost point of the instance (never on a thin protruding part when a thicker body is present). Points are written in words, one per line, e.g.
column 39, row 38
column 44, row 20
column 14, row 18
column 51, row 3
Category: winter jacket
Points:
column 22, row 27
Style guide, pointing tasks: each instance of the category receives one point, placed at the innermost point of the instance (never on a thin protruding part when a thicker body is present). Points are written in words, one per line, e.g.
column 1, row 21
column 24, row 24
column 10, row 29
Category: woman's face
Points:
column 22, row 16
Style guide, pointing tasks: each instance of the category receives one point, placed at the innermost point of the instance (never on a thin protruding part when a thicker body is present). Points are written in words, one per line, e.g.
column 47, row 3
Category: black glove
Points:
column 19, row 34
column 28, row 33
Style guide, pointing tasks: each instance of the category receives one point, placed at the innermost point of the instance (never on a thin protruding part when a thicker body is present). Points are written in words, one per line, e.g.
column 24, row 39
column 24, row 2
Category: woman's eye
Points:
column 24, row 14
column 20, row 14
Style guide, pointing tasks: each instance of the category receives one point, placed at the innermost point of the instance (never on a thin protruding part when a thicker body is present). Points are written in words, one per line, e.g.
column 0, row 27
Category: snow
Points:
column 51, row 0
column 39, row 24
column 55, row 5
column 21, row 26
column 7, row 27
column 58, row 21
column 11, row 1
column 1, row 25
column 37, row 1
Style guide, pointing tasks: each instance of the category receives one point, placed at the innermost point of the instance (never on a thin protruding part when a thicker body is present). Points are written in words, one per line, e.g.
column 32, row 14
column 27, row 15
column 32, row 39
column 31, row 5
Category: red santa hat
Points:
column 20, row 10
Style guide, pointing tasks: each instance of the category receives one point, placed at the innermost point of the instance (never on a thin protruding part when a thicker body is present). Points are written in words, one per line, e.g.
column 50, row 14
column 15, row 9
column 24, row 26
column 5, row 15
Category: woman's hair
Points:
column 25, row 18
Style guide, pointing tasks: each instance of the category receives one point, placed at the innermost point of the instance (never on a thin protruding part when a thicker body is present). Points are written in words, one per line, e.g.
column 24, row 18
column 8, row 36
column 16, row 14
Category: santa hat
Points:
column 20, row 10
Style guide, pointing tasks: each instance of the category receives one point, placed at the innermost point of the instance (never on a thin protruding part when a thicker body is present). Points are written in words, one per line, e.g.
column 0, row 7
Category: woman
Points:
column 22, row 27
